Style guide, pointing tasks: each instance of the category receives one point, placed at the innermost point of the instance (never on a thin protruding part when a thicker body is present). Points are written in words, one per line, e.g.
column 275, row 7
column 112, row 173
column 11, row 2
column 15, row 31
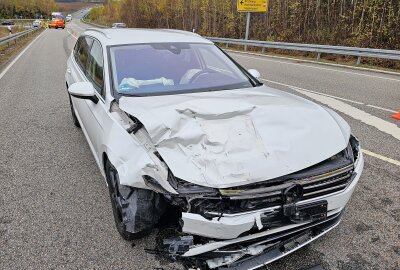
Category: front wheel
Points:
column 130, row 208
column 74, row 118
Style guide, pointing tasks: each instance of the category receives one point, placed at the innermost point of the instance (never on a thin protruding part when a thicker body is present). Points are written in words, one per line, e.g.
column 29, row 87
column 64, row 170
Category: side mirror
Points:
column 83, row 90
column 254, row 73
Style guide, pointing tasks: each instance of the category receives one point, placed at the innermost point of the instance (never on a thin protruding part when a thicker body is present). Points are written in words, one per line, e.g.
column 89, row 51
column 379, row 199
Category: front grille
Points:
column 327, row 183
column 266, row 195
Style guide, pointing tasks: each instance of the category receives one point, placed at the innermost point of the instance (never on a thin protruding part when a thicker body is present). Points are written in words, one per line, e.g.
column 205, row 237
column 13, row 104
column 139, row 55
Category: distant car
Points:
column 118, row 25
column 173, row 122
column 57, row 23
column 68, row 18
column 7, row 22
column 37, row 23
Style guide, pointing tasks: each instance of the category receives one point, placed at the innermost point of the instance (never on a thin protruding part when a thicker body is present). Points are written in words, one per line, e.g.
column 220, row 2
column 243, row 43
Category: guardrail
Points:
column 14, row 37
column 91, row 23
column 319, row 49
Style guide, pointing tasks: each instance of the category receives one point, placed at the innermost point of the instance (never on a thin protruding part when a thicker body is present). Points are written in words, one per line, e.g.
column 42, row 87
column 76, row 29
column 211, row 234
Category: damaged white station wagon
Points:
column 174, row 122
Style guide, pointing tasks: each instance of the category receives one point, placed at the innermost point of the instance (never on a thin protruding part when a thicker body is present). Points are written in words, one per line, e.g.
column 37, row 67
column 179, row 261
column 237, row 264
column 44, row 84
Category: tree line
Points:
column 26, row 8
column 362, row 23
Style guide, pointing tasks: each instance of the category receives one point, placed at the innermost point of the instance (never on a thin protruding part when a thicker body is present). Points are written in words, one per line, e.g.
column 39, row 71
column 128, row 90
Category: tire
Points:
column 113, row 188
column 56, row 27
column 74, row 118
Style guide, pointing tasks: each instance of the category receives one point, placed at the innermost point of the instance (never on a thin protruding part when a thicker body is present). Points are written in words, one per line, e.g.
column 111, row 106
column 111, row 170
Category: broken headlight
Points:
column 355, row 146
column 186, row 188
column 187, row 191
column 154, row 184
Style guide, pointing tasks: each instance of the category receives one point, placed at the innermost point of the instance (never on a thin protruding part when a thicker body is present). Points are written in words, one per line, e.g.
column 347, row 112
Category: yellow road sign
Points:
column 252, row 5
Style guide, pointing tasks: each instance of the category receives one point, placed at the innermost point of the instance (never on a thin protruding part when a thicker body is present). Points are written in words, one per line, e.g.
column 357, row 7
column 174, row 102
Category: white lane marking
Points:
column 69, row 32
column 318, row 63
column 291, row 86
column 322, row 68
column 19, row 55
column 366, row 118
column 372, row 154
column 380, row 108
column 336, row 97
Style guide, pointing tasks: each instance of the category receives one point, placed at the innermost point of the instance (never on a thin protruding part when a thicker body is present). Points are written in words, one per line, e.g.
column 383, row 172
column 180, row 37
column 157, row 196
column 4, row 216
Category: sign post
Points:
column 251, row 6
column 247, row 25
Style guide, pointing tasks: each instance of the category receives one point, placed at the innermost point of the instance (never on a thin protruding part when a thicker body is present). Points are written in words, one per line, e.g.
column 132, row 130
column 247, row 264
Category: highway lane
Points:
column 55, row 211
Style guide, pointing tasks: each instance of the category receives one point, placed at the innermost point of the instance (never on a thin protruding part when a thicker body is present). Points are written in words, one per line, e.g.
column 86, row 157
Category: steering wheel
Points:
column 200, row 73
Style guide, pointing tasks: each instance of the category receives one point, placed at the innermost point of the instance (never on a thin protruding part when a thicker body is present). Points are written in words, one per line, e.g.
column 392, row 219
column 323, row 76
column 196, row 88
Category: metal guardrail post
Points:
column 359, row 60
column 318, row 56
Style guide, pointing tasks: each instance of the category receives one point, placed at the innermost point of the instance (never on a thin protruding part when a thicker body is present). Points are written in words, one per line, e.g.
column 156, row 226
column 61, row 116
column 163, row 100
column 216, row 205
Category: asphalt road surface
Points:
column 54, row 206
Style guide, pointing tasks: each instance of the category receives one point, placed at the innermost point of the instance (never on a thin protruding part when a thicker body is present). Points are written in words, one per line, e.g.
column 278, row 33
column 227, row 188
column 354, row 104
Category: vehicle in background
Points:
column 37, row 23
column 57, row 23
column 68, row 18
column 57, row 20
column 118, row 25
column 7, row 22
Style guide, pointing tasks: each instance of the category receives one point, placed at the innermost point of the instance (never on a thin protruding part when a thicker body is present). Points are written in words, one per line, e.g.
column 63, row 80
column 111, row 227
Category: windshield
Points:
column 163, row 68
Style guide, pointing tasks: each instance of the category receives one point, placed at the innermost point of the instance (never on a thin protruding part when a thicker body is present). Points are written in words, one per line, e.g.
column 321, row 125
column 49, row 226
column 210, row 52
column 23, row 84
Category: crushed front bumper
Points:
column 234, row 247
column 289, row 242
column 232, row 226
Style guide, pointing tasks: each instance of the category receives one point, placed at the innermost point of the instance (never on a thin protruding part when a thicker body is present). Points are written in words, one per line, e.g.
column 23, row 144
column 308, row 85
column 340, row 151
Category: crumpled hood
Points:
column 228, row 138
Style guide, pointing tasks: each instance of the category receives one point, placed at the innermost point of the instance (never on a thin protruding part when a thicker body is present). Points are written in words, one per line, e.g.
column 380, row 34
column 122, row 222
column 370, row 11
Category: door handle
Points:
column 69, row 70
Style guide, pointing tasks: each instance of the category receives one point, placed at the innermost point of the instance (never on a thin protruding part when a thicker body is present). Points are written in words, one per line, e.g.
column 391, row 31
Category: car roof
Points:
column 120, row 36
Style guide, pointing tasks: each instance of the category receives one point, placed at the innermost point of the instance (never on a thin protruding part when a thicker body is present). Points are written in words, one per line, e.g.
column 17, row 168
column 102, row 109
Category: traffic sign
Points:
column 252, row 5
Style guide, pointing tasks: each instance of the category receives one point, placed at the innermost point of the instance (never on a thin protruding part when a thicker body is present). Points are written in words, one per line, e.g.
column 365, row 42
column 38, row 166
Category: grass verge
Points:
column 4, row 31
column 7, row 53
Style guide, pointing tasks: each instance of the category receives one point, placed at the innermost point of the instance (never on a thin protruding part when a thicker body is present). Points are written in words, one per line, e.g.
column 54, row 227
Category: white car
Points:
column 68, row 18
column 252, row 173
column 118, row 25
column 37, row 23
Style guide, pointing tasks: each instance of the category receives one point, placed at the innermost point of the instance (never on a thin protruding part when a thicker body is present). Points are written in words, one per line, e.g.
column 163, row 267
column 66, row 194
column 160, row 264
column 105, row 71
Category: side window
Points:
column 82, row 55
column 95, row 68
column 76, row 48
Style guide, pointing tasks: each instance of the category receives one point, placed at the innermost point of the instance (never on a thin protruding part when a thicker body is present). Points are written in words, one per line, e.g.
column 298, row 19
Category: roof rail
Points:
column 181, row 31
column 99, row 31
